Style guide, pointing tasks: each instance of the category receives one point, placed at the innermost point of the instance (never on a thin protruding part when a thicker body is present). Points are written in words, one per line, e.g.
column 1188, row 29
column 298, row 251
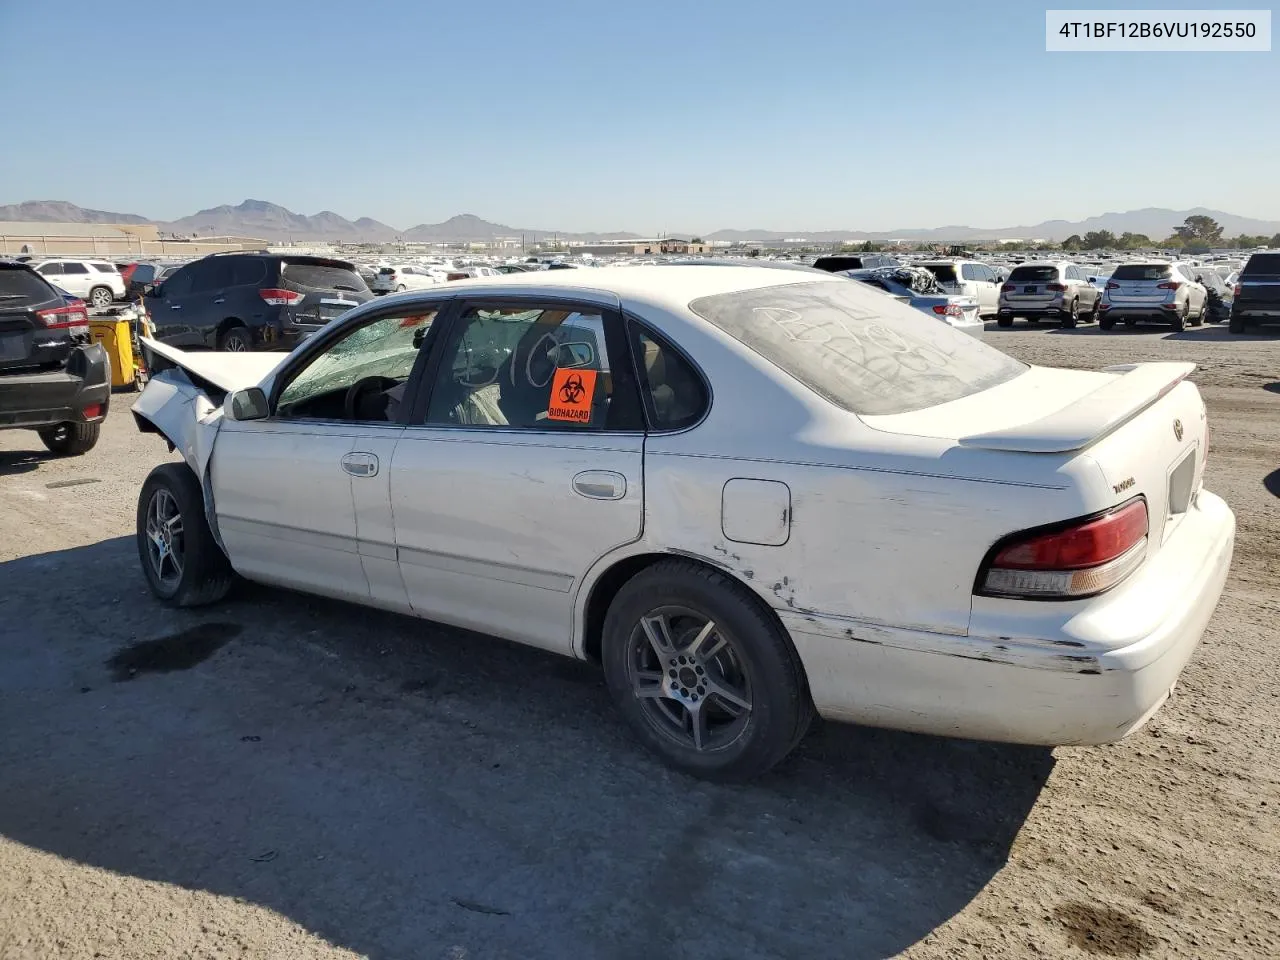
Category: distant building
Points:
column 118, row 241
column 645, row 248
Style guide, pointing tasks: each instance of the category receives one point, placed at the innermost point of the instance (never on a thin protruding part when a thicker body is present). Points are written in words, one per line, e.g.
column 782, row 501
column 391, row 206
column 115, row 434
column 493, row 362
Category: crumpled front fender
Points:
column 183, row 414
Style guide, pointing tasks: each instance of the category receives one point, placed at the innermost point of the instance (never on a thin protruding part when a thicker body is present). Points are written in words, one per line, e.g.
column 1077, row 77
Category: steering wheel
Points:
column 358, row 390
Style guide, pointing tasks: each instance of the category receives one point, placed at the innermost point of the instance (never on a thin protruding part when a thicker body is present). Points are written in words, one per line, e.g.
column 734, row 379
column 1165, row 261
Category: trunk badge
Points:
column 1177, row 429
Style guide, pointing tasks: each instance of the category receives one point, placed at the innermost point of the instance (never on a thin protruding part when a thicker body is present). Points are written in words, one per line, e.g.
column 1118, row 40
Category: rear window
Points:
column 945, row 272
column 1262, row 265
column 858, row 349
column 19, row 288
column 387, row 271
column 1142, row 271
column 327, row 276
column 1034, row 274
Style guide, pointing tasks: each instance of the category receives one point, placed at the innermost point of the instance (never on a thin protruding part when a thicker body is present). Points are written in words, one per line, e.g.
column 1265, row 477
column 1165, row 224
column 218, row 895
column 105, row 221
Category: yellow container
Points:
column 117, row 339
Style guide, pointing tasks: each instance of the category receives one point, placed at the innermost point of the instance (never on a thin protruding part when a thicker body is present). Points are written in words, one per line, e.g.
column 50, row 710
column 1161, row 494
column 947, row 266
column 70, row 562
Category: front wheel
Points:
column 702, row 674
column 71, row 439
column 401, row 288
column 183, row 564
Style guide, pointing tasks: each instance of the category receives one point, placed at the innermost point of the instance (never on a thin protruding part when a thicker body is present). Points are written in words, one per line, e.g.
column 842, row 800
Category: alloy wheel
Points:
column 689, row 678
column 164, row 537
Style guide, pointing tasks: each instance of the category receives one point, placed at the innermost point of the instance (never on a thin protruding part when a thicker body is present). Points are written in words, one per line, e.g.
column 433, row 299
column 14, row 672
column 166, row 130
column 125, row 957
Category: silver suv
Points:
column 1164, row 292
column 1051, row 290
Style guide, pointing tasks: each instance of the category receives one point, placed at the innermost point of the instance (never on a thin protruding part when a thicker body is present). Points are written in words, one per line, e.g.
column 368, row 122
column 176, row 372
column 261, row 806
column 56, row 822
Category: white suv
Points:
column 968, row 278
column 404, row 277
column 96, row 281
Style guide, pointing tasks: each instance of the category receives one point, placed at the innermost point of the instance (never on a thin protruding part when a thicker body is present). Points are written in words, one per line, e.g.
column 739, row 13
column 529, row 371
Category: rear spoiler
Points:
column 1093, row 416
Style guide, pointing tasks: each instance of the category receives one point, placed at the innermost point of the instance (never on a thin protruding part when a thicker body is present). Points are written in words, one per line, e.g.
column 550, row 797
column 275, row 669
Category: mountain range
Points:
column 269, row 221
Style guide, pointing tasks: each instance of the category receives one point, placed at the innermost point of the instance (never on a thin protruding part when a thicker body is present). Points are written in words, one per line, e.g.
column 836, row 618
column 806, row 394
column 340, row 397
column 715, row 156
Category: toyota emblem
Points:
column 1177, row 429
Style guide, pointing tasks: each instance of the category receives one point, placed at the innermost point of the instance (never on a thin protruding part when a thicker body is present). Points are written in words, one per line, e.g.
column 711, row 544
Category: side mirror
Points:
column 247, row 404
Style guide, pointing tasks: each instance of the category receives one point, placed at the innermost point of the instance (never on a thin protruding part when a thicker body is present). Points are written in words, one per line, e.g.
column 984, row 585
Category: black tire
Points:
column 236, row 340
column 101, row 297
column 1106, row 323
column 769, row 672
column 71, row 439
column 202, row 574
column 1235, row 324
column 1072, row 317
column 1179, row 321
column 1004, row 321
column 1096, row 313
column 401, row 288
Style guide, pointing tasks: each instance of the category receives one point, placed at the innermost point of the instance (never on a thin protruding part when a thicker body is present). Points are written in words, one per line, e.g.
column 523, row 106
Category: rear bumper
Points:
column 32, row 400
column 1156, row 313
column 1085, row 672
column 1049, row 311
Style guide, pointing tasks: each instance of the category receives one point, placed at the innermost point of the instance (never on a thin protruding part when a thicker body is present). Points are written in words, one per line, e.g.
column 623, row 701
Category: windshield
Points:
column 1141, row 271
column 1034, row 274
column 860, row 350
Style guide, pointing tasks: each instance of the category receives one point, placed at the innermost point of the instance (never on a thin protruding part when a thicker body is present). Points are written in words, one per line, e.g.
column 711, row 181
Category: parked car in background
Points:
column 252, row 301
column 53, row 378
column 968, row 278
column 137, row 276
column 748, row 495
column 921, row 289
column 1048, row 290
column 838, row 263
column 97, row 281
column 1257, row 293
column 407, row 276
column 1219, row 297
column 1168, row 293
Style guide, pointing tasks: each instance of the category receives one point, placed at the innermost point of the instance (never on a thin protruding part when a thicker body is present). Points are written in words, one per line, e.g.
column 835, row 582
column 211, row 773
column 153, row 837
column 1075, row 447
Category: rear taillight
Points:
column 948, row 310
column 1078, row 559
column 1235, row 291
column 92, row 411
column 1056, row 287
column 279, row 298
column 1112, row 285
column 1008, row 287
column 1168, row 285
column 62, row 318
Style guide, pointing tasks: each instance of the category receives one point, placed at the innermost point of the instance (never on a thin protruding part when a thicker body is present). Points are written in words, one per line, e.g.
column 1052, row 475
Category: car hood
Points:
column 227, row 371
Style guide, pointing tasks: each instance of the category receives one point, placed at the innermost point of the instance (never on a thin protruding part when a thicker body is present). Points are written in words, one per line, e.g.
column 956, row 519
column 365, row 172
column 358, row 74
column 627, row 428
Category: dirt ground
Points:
column 281, row 776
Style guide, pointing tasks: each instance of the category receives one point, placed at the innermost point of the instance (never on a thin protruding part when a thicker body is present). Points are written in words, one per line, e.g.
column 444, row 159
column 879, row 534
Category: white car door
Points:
column 302, row 496
column 521, row 469
column 76, row 278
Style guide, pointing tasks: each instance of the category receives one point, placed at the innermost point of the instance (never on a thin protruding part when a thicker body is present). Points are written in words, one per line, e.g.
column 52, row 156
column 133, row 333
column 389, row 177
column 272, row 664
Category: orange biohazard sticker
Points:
column 571, row 393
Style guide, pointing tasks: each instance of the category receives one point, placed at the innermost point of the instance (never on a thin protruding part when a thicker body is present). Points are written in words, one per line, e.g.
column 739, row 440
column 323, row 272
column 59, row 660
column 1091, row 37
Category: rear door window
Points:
column 105, row 267
column 71, row 267
column 1141, row 271
column 248, row 272
column 969, row 271
column 856, row 348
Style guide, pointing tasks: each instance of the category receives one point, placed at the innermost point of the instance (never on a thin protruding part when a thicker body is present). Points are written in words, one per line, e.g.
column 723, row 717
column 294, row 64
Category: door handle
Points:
column 360, row 464
column 175, row 306
column 600, row 485
column 221, row 300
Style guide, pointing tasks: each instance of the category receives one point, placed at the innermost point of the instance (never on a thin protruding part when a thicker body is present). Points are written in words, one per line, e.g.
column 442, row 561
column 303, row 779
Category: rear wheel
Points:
column 702, row 674
column 183, row 564
column 101, row 297
column 1004, row 321
column 71, row 439
column 1106, row 323
column 1073, row 316
column 1235, row 324
column 236, row 340
column 401, row 288
column 1179, row 321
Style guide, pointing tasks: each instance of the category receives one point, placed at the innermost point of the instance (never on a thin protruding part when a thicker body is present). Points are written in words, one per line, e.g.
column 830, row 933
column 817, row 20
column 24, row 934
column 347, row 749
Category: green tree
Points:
column 1202, row 228
column 1072, row 242
column 1274, row 241
column 1099, row 240
column 696, row 240
column 1133, row 241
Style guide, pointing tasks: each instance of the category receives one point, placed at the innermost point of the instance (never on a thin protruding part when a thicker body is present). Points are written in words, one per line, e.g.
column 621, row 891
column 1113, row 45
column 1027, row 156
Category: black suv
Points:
column 1257, row 293
column 252, row 301
column 857, row 261
column 53, row 379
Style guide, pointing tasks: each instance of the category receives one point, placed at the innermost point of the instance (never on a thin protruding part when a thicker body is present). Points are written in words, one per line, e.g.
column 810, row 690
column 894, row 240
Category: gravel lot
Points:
column 284, row 776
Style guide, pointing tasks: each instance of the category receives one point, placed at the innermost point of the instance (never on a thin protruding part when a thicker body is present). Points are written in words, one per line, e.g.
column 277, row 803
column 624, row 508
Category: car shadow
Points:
column 13, row 462
column 405, row 789
column 1272, row 482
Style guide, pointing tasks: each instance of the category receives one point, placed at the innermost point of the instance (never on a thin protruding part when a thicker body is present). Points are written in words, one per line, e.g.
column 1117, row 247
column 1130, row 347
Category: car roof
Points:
column 672, row 287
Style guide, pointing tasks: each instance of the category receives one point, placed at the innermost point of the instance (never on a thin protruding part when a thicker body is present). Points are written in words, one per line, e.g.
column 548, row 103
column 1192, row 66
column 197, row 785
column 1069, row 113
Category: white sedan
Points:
column 749, row 494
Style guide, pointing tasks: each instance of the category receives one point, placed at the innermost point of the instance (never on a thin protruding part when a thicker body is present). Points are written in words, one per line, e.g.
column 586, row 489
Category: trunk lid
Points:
column 1143, row 425
column 1028, row 286
column 1139, row 285
column 329, row 289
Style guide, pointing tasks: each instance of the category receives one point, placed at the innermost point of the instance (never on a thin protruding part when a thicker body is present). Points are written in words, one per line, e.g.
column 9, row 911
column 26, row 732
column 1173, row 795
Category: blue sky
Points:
column 617, row 114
